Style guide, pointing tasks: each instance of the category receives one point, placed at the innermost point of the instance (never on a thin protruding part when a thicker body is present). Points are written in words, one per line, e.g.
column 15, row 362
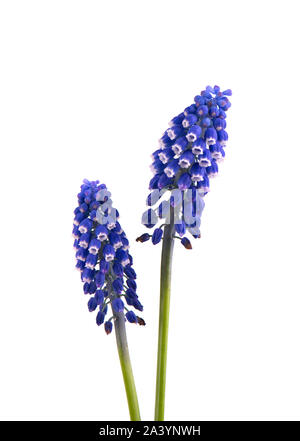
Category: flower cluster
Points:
column 189, row 154
column 102, row 256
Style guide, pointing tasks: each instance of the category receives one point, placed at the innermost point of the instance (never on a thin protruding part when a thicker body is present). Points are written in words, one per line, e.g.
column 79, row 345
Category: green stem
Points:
column 128, row 378
column 164, row 309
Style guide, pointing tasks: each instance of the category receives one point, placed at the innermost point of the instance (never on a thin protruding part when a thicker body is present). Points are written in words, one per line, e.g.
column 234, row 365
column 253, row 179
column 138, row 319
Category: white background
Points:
column 87, row 88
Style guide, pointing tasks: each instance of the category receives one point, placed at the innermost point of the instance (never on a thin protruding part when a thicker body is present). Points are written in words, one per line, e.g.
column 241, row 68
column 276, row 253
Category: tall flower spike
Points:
column 197, row 138
column 107, row 273
column 102, row 254
column 187, row 159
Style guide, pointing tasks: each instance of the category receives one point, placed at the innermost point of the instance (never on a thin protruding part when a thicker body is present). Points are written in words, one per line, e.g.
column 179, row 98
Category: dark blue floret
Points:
column 184, row 182
column 86, row 288
column 130, row 272
column 137, row 304
column 211, row 136
column 87, row 275
column 94, row 246
column 117, row 285
column 125, row 242
column 186, row 243
column 80, row 265
column 157, row 236
column 194, row 133
column 186, row 159
column 131, row 293
column 100, row 318
column 108, row 327
column 117, row 304
column 92, row 288
column 153, row 182
column 164, row 181
column 91, row 261
column 118, row 269
column 171, row 169
column 76, row 233
column 92, row 304
column 197, row 172
column 81, row 254
column 188, row 121
column 101, row 232
column 177, row 120
column 180, row 228
column 104, row 266
column 85, row 226
column 131, row 317
column 99, row 297
column 180, row 145
column 165, row 155
column 99, row 279
column 84, row 240
column 79, row 218
column 202, row 110
column 131, row 283
column 123, row 257
column 109, row 252
column 115, row 240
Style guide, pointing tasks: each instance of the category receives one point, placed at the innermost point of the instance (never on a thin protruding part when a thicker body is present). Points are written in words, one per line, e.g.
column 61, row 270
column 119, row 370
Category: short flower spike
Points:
column 102, row 255
column 188, row 157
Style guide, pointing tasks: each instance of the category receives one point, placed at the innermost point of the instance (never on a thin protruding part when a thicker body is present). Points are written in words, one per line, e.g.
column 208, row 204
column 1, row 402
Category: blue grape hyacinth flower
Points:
column 188, row 157
column 102, row 256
